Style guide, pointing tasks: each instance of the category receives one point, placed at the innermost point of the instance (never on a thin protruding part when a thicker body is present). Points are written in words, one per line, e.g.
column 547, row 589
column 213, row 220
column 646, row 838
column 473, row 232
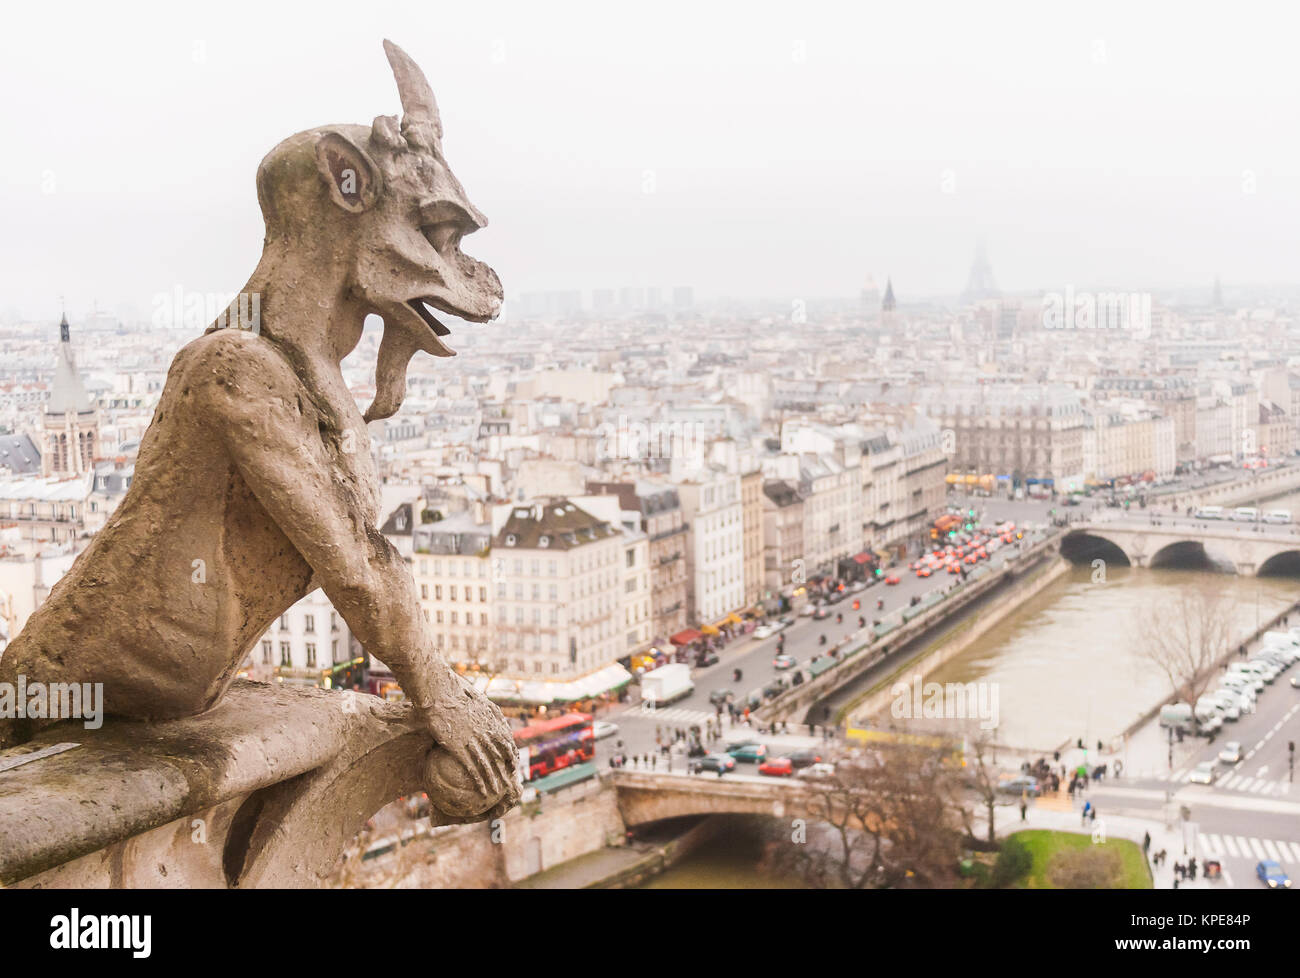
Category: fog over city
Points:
column 748, row 150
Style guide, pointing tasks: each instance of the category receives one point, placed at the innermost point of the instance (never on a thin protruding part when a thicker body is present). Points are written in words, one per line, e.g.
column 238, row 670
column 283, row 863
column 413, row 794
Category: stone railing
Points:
column 266, row 789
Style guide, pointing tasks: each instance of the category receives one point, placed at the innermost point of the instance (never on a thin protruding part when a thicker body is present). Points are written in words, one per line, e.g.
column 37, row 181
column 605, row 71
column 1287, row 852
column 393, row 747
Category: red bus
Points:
column 557, row 743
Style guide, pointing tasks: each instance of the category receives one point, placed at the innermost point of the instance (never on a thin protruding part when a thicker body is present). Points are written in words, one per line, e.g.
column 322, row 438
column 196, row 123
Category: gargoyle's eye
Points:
column 443, row 235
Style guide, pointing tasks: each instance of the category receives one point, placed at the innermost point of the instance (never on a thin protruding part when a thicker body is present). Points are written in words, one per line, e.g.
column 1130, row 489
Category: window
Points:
column 285, row 660
column 482, row 594
column 631, row 558
column 311, row 655
column 284, row 622
column 424, row 592
column 437, row 592
column 266, row 652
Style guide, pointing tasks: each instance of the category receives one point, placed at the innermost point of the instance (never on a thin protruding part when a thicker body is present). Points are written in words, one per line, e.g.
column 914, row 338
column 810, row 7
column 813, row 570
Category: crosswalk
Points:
column 673, row 714
column 1239, row 782
column 1251, row 848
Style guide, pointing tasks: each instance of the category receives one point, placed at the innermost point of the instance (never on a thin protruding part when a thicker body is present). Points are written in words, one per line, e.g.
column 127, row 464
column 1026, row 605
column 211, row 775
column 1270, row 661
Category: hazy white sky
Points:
column 791, row 149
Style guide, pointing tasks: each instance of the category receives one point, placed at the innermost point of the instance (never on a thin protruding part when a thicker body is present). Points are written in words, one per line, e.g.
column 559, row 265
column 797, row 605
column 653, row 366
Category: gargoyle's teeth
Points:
column 425, row 313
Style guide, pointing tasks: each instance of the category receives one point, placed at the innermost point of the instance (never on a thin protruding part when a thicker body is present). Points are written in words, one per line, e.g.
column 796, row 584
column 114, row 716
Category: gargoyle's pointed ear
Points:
column 349, row 173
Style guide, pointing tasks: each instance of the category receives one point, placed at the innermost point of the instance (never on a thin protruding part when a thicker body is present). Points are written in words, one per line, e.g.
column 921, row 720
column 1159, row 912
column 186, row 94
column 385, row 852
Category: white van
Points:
column 1176, row 715
column 1278, row 516
column 1210, row 513
column 1246, row 514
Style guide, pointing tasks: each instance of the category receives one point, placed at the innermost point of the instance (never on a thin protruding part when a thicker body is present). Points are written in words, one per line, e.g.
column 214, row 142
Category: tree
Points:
column 884, row 820
column 1185, row 637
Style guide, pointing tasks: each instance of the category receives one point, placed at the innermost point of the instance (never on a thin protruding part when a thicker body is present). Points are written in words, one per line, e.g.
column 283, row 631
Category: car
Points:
column 954, row 568
column 748, row 753
column 1021, row 784
column 720, row 696
column 807, row 611
column 603, row 728
column 820, row 613
column 776, row 687
column 816, row 772
column 1203, row 773
column 1295, row 682
column 806, row 757
column 785, row 661
column 1272, row 875
column 1210, row 725
column 777, row 767
column 857, row 586
column 891, row 579
column 705, row 659
column 925, row 571
column 1231, row 752
column 712, row 762
column 764, row 631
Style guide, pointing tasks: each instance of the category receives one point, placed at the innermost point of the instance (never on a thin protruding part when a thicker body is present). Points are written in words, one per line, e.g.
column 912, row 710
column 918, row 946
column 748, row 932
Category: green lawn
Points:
column 1044, row 844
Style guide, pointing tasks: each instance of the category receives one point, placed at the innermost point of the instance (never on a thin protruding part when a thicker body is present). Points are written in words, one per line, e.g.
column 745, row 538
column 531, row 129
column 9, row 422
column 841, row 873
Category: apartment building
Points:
column 715, row 557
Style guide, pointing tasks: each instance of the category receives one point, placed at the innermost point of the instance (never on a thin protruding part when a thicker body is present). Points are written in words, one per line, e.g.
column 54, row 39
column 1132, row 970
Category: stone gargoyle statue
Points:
column 257, row 461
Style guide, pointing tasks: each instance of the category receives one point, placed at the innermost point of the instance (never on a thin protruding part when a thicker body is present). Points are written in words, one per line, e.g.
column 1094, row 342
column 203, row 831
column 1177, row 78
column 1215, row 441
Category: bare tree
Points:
column 883, row 821
column 1184, row 638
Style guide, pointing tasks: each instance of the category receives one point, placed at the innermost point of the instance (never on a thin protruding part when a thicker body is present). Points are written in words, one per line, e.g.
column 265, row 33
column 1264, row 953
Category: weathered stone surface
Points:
column 254, row 485
column 290, row 775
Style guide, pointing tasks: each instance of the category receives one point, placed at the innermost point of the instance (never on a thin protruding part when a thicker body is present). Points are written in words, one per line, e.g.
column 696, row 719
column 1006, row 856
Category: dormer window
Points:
column 510, row 539
column 544, row 542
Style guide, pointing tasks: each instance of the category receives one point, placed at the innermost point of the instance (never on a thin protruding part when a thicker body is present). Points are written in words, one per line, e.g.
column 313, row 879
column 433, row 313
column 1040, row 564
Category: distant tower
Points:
column 980, row 285
column 887, row 306
column 70, row 431
column 1218, row 294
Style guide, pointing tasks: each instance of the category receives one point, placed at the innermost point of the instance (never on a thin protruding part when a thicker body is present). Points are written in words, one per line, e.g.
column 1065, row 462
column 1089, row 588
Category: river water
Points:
column 1066, row 663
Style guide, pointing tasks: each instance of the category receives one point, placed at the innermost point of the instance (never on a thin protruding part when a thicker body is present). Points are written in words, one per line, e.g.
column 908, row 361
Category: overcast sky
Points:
column 788, row 149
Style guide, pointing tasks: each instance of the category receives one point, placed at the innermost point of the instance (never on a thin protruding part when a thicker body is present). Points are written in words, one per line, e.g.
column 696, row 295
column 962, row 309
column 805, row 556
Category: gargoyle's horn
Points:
column 418, row 105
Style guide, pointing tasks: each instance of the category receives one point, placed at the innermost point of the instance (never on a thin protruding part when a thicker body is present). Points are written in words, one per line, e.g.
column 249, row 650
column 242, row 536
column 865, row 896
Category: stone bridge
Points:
column 1251, row 548
column 650, row 797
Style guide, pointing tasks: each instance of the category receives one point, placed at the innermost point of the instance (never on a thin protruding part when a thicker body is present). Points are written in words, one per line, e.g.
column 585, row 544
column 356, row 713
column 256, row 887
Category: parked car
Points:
column 1021, row 784
column 603, row 728
column 720, row 696
column 712, row 762
column 816, row 772
column 706, row 659
column 777, row 767
column 1272, row 875
column 806, row 757
column 785, row 661
column 748, row 753
column 764, row 631
column 891, row 579
column 1231, row 752
column 1203, row 773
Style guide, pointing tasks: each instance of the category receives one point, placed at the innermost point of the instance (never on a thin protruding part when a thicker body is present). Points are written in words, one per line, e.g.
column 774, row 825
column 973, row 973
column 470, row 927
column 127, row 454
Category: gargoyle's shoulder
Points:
column 235, row 360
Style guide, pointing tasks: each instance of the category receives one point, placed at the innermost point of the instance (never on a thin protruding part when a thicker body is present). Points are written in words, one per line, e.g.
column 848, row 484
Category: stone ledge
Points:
column 306, row 766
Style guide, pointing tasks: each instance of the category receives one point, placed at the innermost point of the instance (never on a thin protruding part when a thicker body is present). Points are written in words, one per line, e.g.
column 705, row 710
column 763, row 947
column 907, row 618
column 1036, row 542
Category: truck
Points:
column 665, row 685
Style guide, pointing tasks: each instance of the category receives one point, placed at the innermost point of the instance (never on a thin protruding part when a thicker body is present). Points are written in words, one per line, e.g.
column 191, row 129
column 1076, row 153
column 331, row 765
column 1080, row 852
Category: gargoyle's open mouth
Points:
column 421, row 307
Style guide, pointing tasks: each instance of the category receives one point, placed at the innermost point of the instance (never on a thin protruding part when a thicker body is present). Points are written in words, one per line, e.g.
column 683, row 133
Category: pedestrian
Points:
column 1146, row 843
column 1191, row 867
column 1087, row 807
column 1024, row 808
column 1092, row 815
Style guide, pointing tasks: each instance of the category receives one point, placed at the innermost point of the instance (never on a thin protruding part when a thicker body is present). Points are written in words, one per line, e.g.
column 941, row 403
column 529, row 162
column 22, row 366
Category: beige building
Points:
column 751, row 502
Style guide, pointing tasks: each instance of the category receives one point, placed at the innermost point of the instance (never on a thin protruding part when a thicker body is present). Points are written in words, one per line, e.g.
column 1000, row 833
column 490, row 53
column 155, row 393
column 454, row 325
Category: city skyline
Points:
column 743, row 155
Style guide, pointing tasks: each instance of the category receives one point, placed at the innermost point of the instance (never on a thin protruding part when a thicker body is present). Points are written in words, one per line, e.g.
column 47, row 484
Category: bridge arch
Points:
column 1083, row 547
column 1284, row 563
column 1190, row 554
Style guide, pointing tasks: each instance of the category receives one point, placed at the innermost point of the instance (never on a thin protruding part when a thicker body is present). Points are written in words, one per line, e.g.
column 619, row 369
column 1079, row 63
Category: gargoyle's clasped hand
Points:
column 471, row 772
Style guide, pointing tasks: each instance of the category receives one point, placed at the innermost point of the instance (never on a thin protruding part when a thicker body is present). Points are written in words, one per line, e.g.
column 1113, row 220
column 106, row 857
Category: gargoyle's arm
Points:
column 273, row 438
